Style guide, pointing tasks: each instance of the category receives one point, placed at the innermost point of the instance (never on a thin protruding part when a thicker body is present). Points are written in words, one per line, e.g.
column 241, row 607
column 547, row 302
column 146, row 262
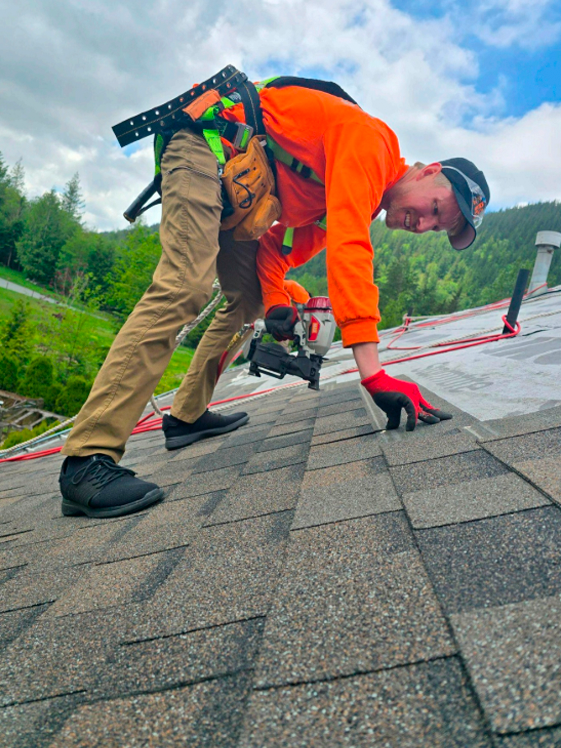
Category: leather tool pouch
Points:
column 250, row 186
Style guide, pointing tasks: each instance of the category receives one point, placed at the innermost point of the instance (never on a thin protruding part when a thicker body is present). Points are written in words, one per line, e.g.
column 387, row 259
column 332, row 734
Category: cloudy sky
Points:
column 478, row 79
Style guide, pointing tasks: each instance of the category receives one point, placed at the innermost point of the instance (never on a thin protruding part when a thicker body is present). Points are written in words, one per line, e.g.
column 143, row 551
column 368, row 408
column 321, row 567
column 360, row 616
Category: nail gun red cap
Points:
column 319, row 304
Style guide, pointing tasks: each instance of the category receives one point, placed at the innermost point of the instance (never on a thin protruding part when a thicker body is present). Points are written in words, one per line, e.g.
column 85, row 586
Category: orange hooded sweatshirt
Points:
column 297, row 293
column 357, row 158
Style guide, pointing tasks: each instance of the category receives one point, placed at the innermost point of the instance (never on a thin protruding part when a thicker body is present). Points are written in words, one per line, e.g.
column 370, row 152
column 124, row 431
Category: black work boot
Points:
column 97, row 487
column 179, row 433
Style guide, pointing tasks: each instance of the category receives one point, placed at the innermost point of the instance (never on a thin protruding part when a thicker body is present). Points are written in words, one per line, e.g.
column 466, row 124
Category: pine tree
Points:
column 72, row 199
column 12, row 205
column 38, row 377
column 45, row 231
column 3, row 170
column 15, row 333
column 17, row 177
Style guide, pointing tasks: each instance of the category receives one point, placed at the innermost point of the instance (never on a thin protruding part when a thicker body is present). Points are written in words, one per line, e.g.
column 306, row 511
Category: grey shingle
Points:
column 532, row 739
column 248, row 435
column 420, row 706
column 12, row 556
column 341, row 421
column 158, row 664
column 296, row 416
column 57, row 656
column 195, row 485
column 332, row 494
column 170, row 524
column 495, row 561
column 513, row 654
column 446, row 471
column 339, row 453
column 546, row 474
column 339, row 393
column 292, row 427
column 147, row 467
column 516, row 426
column 440, row 445
column 464, row 502
column 276, row 458
column 266, row 418
column 34, row 725
column 198, row 449
column 277, row 442
column 354, row 597
column 37, row 586
column 15, row 623
column 203, row 714
column 111, row 584
column 335, row 436
column 225, row 458
column 260, row 493
column 308, row 399
column 345, row 407
column 534, row 446
column 84, row 545
column 228, row 574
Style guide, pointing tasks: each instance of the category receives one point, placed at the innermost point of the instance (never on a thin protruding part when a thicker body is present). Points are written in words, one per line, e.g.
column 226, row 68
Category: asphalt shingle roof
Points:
column 307, row 581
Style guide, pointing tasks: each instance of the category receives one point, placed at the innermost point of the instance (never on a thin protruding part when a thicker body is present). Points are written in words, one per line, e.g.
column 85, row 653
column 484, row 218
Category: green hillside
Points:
column 99, row 277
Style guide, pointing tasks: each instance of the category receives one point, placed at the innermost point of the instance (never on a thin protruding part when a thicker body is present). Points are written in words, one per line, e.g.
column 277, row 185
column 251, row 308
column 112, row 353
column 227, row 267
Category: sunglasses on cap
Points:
column 478, row 199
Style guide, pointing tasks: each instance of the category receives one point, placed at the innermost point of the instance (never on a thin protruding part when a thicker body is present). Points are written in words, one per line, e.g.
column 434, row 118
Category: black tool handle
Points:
column 135, row 208
column 516, row 300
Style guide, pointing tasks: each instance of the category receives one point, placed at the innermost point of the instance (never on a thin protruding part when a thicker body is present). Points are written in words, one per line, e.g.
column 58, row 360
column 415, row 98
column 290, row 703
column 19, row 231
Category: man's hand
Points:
column 391, row 395
column 280, row 321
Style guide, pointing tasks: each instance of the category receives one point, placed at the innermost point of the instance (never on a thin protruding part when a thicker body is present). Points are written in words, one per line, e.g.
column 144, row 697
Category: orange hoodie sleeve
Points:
column 272, row 265
column 297, row 293
column 359, row 165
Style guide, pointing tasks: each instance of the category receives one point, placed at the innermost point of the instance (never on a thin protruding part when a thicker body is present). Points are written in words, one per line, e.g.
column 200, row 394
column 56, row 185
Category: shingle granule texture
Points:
column 309, row 580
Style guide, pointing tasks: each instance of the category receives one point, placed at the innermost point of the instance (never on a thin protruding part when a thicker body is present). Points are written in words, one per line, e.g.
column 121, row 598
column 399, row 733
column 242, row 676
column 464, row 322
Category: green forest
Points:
column 97, row 278
column 53, row 352
column 423, row 275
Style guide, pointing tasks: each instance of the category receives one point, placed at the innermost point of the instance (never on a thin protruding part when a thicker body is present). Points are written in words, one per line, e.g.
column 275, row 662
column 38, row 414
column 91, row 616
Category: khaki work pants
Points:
column 193, row 254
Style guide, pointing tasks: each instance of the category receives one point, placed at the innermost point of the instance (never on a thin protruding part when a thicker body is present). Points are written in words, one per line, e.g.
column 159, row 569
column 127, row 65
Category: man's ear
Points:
column 429, row 170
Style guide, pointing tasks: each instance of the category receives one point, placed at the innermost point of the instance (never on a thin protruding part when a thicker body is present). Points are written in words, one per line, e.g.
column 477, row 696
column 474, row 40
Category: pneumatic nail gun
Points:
column 313, row 336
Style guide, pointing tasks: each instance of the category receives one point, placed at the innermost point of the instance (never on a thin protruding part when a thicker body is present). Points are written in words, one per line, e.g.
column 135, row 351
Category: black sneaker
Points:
column 179, row 433
column 97, row 487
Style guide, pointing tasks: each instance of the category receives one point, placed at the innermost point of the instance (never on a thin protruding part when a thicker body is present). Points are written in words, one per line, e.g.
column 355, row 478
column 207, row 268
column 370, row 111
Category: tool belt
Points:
column 248, row 179
column 249, row 183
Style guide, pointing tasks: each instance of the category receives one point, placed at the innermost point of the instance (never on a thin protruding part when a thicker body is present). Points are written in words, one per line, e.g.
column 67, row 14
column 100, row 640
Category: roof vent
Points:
column 546, row 242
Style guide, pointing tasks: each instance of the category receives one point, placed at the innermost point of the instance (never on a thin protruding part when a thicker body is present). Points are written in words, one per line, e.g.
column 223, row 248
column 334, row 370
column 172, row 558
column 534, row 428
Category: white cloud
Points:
column 529, row 24
column 70, row 70
column 521, row 156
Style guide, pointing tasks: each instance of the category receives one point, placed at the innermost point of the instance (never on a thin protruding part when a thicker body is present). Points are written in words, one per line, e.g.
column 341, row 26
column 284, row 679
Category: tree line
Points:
column 423, row 275
column 47, row 240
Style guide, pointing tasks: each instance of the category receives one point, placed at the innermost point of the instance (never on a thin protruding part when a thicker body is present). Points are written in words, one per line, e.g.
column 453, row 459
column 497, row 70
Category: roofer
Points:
column 324, row 159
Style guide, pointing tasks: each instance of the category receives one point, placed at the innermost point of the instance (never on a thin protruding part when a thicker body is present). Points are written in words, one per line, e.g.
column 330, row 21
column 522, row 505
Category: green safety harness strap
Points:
column 214, row 128
column 293, row 163
column 304, row 171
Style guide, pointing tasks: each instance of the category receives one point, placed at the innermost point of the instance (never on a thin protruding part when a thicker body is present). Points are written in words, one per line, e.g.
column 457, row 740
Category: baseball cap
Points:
column 472, row 195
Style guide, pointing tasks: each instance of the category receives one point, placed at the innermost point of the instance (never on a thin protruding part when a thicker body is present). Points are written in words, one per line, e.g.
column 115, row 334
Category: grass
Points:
column 15, row 276
column 102, row 324
column 103, row 329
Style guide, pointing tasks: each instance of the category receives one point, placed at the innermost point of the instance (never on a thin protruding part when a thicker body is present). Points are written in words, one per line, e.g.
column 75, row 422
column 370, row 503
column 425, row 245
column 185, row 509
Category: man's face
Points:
column 418, row 203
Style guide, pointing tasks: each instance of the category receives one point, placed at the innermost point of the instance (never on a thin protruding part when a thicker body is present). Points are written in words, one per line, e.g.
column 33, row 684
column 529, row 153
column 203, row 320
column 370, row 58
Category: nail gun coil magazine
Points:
column 313, row 336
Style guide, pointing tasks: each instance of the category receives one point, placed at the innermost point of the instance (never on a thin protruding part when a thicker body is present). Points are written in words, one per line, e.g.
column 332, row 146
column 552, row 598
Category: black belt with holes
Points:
column 170, row 116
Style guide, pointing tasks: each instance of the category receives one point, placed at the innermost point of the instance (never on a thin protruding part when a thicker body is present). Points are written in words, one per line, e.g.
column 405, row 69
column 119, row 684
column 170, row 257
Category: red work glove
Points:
column 280, row 321
column 391, row 395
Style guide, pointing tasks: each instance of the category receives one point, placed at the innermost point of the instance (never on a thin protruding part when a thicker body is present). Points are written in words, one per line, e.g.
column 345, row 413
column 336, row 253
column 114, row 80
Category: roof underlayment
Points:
column 307, row 582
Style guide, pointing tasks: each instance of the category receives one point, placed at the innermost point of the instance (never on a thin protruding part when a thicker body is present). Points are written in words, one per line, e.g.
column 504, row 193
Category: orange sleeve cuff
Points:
column 359, row 331
column 276, row 298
